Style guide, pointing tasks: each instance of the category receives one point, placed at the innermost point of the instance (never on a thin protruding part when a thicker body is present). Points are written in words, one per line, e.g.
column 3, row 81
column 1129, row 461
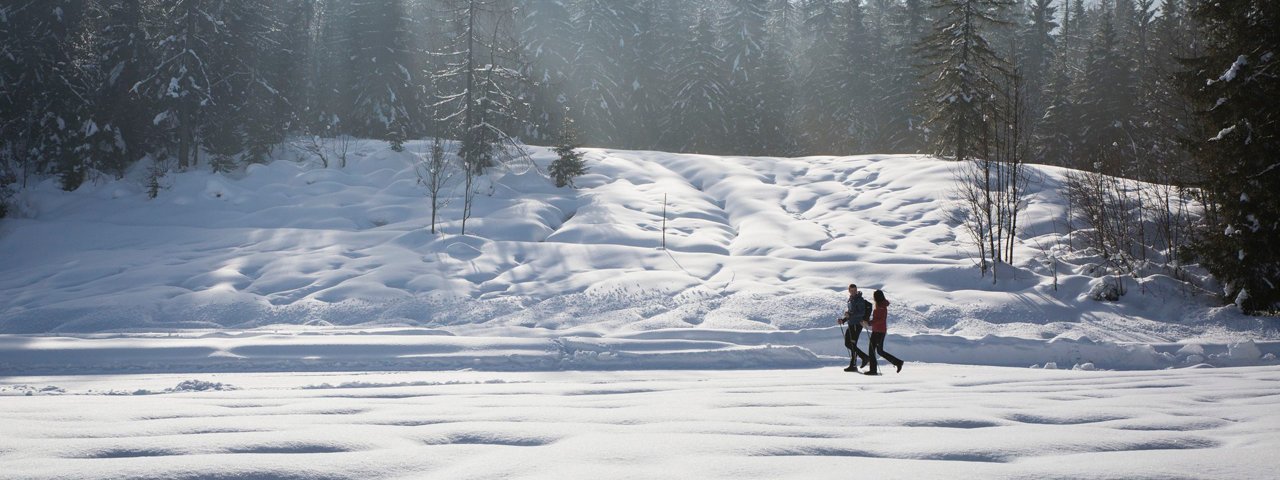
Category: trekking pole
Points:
column 842, row 337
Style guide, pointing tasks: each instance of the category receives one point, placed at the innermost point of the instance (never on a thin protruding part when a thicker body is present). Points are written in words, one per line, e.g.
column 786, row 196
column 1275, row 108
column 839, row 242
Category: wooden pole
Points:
column 664, row 221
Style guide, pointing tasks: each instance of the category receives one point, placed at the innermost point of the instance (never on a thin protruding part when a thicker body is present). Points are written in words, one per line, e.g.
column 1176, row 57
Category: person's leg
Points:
column 876, row 339
column 851, row 342
column 855, row 331
column 897, row 363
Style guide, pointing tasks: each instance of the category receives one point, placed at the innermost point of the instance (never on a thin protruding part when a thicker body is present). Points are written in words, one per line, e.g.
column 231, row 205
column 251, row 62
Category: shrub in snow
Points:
column 1087, row 366
column 1194, row 359
column 1101, row 290
column 1270, row 357
column 1051, row 365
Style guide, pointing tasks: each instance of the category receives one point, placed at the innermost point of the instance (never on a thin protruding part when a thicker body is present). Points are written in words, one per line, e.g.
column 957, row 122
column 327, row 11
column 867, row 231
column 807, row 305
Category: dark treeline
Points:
column 1132, row 88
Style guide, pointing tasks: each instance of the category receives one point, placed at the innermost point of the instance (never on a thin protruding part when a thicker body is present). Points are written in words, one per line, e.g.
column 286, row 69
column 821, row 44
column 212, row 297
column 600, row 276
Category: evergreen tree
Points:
column 386, row 83
column 821, row 80
column 698, row 121
column 1036, row 54
column 549, row 48
column 277, row 92
column 860, row 116
column 1056, row 128
column 43, row 90
column 775, row 136
column 329, row 71
column 180, row 82
column 569, row 162
column 483, row 110
column 898, row 30
column 961, row 70
column 1107, row 102
column 117, row 130
column 246, row 114
column 1237, row 132
column 608, row 32
column 1164, row 107
column 783, row 65
column 644, row 94
column 742, row 30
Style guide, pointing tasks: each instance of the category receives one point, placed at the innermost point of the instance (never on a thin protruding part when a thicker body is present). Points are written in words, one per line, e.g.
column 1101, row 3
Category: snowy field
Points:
column 292, row 264
column 297, row 322
column 930, row 421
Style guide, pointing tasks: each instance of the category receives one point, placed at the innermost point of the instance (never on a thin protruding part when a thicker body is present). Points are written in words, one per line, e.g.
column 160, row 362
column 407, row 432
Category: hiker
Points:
column 857, row 314
column 879, row 327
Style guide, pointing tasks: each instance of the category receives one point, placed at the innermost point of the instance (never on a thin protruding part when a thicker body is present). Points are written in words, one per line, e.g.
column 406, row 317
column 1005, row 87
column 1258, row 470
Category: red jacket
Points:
column 880, row 317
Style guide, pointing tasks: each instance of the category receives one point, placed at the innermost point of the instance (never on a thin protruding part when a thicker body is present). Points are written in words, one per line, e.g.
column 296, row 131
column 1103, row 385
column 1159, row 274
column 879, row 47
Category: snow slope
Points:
column 931, row 421
column 758, row 252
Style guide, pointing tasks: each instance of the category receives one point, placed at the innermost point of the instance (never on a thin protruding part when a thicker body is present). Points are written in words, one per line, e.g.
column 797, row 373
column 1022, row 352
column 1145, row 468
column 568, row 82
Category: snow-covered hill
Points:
column 758, row 253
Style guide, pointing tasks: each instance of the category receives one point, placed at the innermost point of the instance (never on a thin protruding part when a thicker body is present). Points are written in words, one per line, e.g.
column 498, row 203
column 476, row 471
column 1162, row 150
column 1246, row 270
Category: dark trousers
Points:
column 851, row 342
column 877, row 348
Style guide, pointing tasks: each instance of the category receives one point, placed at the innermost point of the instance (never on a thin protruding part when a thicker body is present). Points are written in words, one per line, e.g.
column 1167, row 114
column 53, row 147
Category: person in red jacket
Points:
column 879, row 327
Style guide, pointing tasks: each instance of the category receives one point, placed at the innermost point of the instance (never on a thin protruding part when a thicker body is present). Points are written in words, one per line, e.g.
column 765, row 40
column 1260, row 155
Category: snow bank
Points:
column 338, row 350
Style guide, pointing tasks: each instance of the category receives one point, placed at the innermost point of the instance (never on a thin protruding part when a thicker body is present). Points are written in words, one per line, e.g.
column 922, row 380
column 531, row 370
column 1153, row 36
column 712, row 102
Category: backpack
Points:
column 866, row 310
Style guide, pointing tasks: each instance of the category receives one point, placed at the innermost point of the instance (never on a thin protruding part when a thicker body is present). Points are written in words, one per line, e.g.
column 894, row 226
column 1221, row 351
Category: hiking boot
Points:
column 899, row 365
column 851, row 368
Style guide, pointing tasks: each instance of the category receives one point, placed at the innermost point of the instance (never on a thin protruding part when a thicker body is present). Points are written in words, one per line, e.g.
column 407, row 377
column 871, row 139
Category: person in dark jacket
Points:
column 856, row 316
column 879, row 328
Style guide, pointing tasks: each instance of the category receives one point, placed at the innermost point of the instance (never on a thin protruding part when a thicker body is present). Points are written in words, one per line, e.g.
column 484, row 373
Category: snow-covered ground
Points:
column 930, row 421
column 293, row 321
column 293, row 257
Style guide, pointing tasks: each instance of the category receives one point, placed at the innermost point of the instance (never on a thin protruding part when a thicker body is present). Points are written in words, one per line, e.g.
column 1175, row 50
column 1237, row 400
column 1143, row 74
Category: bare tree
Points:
column 435, row 171
column 480, row 72
column 992, row 186
column 1111, row 212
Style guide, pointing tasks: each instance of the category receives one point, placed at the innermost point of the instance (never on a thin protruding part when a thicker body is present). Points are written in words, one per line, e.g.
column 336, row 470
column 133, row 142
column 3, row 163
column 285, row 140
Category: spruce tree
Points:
column 244, row 115
column 569, row 162
column 859, row 114
column 608, row 32
column 1233, row 143
column 330, row 72
column 1107, row 92
column 961, row 69
column 181, row 80
column 898, row 29
column 549, row 46
column 117, row 130
column 742, row 31
column 698, row 122
column 43, row 90
column 386, row 81
column 1036, row 54
column 643, row 92
column 821, row 80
